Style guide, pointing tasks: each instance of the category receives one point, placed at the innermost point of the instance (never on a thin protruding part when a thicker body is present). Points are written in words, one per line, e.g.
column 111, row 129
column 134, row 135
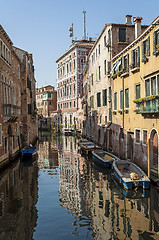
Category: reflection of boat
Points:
column 29, row 151
column 131, row 193
column 104, row 158
column 130, row 175
column 88, row 146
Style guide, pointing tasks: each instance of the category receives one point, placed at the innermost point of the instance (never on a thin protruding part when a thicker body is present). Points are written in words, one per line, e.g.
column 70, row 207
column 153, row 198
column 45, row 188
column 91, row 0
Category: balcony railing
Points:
column 148, row 106
column 11, row 110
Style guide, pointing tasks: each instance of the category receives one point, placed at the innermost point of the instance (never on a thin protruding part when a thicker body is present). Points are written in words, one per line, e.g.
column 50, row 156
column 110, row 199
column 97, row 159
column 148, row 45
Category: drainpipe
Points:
column 123, row 105
column 149, row 158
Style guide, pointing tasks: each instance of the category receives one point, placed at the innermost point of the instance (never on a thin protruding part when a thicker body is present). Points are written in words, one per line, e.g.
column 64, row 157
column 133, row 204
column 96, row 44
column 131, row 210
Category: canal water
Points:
column 63, row 195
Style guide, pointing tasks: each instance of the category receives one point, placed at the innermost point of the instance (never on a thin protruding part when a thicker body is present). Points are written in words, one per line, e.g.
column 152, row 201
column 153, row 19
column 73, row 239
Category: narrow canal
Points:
column 62, row 195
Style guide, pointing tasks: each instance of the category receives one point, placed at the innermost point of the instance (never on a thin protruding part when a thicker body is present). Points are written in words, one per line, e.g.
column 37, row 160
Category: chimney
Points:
column 137, row 22
column 128, row 19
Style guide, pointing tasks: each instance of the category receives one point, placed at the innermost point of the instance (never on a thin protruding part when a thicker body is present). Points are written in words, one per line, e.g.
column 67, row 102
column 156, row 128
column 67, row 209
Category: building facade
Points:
column 69, row 82
column 13, row 100
column 46, row 99
column 98, row 84
column 135, row 76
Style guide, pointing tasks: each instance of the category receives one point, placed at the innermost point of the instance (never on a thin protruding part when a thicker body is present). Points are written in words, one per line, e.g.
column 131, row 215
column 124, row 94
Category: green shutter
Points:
column 143, row 50
column 138, row 56
column 154, row 41
column 148, row 46
column 132, row 57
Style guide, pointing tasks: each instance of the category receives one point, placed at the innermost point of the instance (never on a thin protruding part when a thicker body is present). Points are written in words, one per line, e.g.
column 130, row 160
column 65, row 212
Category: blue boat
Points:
column 29, row 151
column 103, row 158
column 129, row 175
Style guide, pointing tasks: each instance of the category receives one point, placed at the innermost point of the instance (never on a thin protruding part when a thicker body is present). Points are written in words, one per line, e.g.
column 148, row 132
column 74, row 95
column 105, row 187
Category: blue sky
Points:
column 41, row 27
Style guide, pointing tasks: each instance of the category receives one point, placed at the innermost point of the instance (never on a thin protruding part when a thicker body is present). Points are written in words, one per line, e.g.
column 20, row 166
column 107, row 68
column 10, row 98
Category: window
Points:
column 153, row 86
column 92, row 101
column 155, row 42
column 122, row 35
column 74, row 103
column 121, row 99
column 70, row 67
column 147, row 87
column 98, row 99
column 74, row 64
column 137, row 135
column 49, row 103
column 99, row 49
column 115, row 101
column 144, row 137
column 0, row 134
column 104, row 97
column 99, row 73
column 127, row 98
column 82, row 64
column 105, row 67
column 105, row 43
column 145, row 49
column 126, row 63
column 92, row 78
column 137, row 91
column 70, row 104
column 109, row 38
column 96, row 52
column 135, row 58
column 49, row 95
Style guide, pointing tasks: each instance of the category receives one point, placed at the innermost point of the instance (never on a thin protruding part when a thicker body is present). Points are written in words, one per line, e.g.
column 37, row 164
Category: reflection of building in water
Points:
column 18, row 197
column 70, row 182
column 116, row 216
column 48, row 154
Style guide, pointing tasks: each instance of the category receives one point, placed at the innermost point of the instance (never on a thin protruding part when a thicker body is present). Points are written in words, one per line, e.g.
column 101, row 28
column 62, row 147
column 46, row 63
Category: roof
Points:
column 76, row 44
column 142, row 35
column 5, row 35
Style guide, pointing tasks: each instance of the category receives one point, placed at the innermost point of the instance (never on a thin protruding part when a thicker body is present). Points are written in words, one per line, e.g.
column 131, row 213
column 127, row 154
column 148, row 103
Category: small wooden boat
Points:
column 29, row 151
column 88, row 146
column 129, row 175
column 103, row 158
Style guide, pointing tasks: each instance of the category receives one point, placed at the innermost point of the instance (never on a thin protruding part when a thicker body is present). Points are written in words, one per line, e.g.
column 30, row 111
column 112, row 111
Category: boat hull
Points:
column 29, row 152
column 100, row 160
column 127, row 182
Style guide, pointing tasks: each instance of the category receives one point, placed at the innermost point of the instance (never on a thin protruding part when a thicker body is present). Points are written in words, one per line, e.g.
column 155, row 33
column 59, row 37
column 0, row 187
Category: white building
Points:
column 69, row 82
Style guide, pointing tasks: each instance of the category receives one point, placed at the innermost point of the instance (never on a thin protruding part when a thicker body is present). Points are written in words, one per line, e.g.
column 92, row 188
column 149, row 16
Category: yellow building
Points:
column 135, row 82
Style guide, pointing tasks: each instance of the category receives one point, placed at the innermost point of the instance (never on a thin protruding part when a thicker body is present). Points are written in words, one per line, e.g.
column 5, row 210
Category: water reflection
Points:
column 94, row 200
column 18, row 197
column 63, row 195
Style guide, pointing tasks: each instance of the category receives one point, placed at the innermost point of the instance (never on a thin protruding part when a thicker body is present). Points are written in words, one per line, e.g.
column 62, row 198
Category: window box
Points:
column 156, row 52
column 125, row 73
column 126, row 111
column 114, row 112
column 120, row 111
column 145, row 58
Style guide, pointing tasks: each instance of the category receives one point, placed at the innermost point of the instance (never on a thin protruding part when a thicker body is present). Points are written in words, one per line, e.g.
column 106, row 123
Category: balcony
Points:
column 11, row 110
column 148, row 106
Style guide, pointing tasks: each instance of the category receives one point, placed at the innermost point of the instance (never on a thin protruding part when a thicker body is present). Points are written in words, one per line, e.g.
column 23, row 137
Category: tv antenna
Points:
column 84, row 12
column 71, row 32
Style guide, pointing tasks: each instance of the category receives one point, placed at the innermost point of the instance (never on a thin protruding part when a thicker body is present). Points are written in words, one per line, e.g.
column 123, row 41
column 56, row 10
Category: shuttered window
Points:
column 104, row 97
column 147, row 87
column 99, row 99
column 122, row 34
column 115, row 101
column 137, row 91
column 145, row 48
column 127, row 98
column 135, row 58
column 155, row 41
column 121, row 99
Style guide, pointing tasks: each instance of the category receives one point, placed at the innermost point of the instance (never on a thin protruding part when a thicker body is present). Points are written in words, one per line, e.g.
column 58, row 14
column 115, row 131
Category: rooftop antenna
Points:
column 84, row 12
column 71, row 32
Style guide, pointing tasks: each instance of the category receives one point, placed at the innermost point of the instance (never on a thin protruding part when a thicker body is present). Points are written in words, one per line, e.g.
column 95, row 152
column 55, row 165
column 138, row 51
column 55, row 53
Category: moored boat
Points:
column 103, row 158
column 129, row 175
column 88, row 146
column 29, row 151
